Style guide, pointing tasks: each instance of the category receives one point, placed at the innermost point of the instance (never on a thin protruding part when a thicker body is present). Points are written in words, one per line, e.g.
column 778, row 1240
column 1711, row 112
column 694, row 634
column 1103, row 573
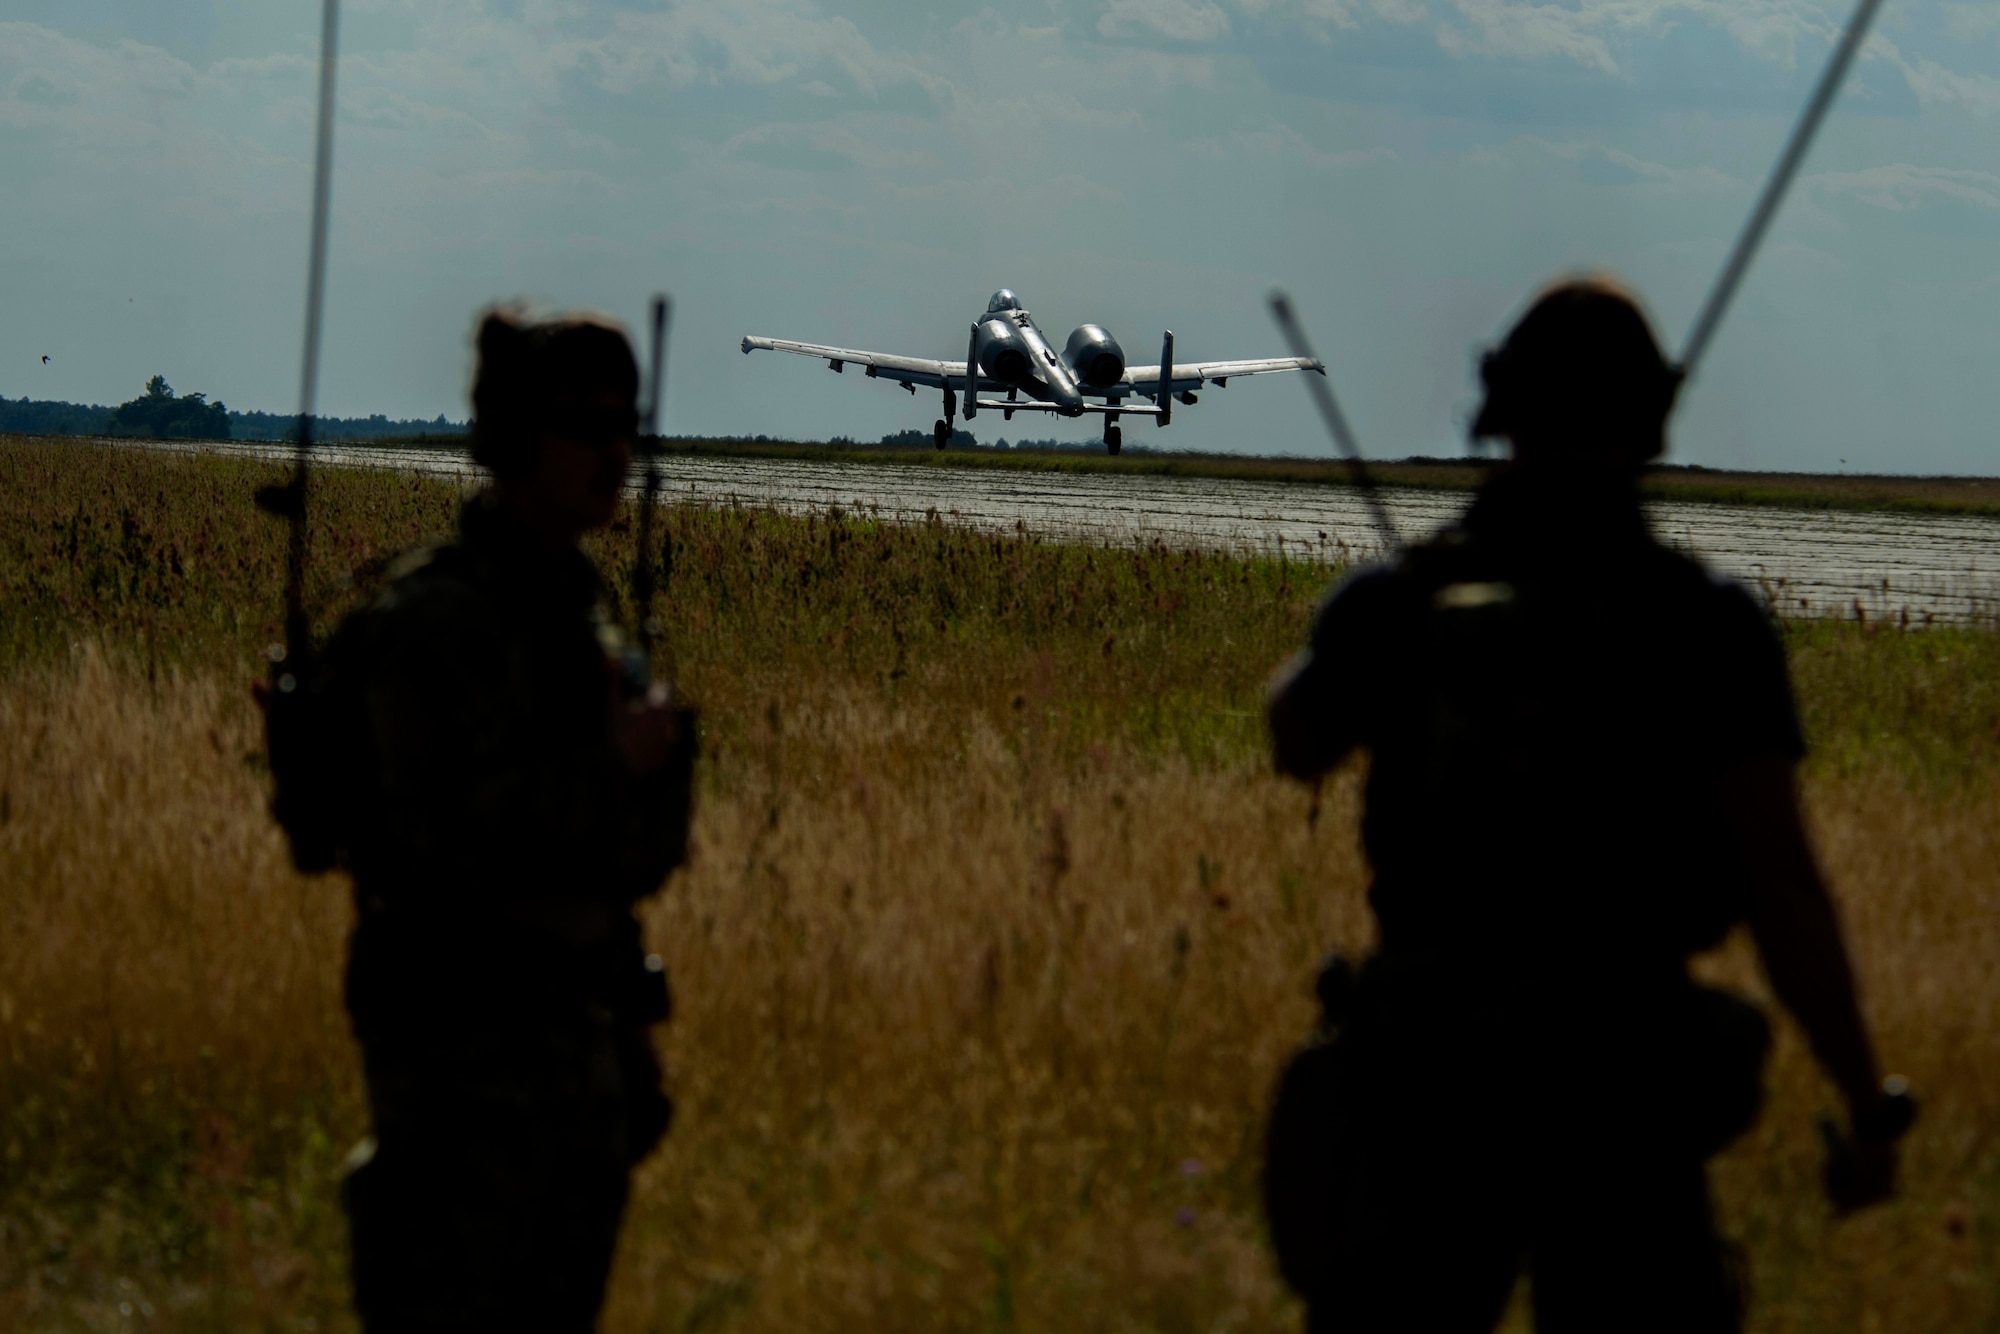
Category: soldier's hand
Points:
column 1858, row 1173
column 652, row 731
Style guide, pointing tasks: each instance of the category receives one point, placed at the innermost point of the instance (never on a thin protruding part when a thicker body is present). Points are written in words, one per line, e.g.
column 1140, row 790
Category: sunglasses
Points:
column 595, row 428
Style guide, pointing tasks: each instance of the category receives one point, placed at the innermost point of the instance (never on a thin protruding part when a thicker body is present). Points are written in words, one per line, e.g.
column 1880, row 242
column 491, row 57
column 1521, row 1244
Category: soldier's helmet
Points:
column 1579, row 378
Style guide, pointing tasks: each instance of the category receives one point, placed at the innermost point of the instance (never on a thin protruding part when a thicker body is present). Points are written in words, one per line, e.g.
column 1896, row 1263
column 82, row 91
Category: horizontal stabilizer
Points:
column 1032, row 405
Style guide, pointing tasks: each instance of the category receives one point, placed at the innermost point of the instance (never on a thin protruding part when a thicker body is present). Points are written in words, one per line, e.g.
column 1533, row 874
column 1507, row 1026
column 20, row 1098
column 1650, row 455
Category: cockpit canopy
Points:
column 1002, row 300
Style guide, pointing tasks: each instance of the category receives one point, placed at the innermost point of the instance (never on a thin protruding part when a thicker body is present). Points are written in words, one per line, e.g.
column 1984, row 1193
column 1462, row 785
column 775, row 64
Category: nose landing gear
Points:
column 1114, row 439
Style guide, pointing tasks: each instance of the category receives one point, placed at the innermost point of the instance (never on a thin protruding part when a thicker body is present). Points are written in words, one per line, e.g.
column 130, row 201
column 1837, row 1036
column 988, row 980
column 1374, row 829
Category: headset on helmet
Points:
column 1581, row 373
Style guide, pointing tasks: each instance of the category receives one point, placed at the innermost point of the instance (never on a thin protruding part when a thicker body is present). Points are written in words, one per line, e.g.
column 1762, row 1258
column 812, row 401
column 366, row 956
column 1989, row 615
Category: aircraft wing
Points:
column 1193, row 374
column 880, row 365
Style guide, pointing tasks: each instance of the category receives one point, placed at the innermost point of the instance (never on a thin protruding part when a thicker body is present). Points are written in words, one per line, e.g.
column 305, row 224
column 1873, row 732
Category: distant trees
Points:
column 961, row 438
column 29, row 416
column 162, row 415
column 165, row 414
column 285, row 426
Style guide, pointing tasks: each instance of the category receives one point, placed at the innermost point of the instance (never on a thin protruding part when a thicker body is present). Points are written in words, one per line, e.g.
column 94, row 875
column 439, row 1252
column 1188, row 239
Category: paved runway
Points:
column 1811, row 562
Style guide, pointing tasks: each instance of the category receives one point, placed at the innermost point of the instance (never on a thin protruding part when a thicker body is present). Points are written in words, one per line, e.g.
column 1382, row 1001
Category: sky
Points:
column 867, row 173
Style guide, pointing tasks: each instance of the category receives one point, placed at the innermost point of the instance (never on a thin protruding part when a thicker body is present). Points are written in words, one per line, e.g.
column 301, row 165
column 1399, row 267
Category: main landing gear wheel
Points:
column 940, row 433
column 1114, row 439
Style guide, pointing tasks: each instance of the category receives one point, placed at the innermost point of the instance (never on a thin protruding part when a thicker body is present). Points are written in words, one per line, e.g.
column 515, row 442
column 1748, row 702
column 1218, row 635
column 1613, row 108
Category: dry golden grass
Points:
column 985, row 967
column 172, row 1050
column 954, row 1013
column 1916, row 874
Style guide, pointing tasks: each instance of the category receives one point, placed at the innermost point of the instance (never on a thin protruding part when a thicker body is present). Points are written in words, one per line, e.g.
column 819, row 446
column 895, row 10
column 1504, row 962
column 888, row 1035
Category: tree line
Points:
column 158, row 413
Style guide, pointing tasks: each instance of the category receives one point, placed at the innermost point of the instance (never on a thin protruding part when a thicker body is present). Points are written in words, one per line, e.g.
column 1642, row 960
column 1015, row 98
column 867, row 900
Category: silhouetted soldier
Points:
column 511, row 804
column 1581, row 773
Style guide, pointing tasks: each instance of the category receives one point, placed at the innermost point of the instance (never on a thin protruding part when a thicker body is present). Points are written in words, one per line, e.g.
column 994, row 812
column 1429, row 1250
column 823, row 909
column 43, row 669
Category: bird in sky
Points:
column 45, row 358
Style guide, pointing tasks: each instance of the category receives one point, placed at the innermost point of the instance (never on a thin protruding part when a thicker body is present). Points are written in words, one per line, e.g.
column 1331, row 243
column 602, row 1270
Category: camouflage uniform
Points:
column 1526, row 1075
column 497, row 983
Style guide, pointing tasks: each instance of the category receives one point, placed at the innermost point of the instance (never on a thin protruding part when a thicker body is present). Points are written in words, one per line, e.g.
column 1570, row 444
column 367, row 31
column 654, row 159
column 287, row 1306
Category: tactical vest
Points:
column 1543, row 754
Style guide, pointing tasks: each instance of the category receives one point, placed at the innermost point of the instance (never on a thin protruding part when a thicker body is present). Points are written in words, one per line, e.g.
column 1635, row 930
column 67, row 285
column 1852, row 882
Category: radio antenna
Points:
column 294, row 729
column 1321, row 390
column 649, row 444
column 289, row 501
column 1775, row 188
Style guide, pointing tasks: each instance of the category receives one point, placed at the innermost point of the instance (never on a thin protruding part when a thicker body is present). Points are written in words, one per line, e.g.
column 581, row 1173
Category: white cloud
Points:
column 471, row 50
column 1176, row 20
column 127, row 113
column 1276, row 142
column 1934, row 85
column 1901, row 186
column 746, row 41
column 1060, row 112
column 1526, row 32
column 1587, row 32
column 1698, row 179
column 816, row 147
column 1590, row 33
column 1972, row 22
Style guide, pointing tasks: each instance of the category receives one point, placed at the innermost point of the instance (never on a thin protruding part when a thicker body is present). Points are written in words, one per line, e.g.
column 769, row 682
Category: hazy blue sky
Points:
column 866, row 173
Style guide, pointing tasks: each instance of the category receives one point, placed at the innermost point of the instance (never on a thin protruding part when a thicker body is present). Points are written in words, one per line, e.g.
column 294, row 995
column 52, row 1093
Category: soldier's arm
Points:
column 1300, row 747
column 1791, row 914
column 1316, row 702
column 657, row 741
column 1798, row 935
column 652, row 732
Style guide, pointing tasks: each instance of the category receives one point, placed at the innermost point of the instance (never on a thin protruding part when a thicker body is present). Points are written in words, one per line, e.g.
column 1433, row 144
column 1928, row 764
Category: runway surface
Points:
column 1809, row 562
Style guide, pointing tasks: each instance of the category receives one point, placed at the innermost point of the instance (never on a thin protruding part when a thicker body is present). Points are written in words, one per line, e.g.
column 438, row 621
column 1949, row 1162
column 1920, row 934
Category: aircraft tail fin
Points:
column 1164, row 394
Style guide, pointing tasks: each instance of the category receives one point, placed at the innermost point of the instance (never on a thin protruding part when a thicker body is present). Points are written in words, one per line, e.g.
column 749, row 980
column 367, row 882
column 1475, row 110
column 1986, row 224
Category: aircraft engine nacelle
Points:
column 1095, row 356
column 1002, row 354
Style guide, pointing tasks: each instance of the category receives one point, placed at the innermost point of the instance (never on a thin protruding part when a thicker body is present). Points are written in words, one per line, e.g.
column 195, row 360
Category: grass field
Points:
column 995, row 935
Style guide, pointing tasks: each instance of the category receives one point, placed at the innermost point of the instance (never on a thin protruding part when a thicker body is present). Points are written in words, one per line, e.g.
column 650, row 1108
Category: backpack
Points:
column 316, row 732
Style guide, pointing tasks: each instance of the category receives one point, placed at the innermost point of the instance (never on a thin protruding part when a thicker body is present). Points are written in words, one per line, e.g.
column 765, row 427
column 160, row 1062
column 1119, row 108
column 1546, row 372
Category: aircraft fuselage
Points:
column 1010, row 347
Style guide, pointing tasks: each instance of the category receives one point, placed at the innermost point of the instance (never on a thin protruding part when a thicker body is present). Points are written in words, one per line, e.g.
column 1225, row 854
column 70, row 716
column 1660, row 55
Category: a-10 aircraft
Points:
column 1012, row 356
